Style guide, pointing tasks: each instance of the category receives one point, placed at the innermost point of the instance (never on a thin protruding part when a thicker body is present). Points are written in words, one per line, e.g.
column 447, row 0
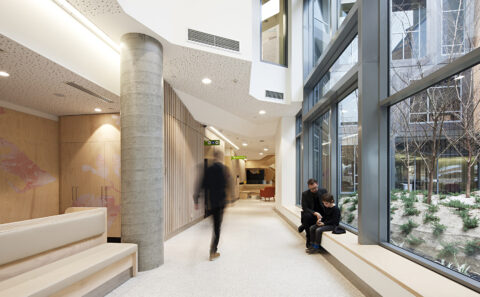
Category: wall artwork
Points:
column 15, row 162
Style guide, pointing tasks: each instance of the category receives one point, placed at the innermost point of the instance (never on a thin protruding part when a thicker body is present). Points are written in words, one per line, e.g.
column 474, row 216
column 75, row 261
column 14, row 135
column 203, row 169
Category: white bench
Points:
column 378, row 271
column 63, row 255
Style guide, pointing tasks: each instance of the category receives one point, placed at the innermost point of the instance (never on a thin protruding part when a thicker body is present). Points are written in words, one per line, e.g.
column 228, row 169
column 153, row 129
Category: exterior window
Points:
column 407, row 23
column 453, row 26
column 423, row 107
column 274, row 31
column 348, row 158
column 435, row 151
column 427, row 35
column 344, row 7
column 321, row 150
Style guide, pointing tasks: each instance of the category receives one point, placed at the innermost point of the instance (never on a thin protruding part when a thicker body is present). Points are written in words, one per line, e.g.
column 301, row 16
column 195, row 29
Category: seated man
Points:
column 329, row 221
column 312, row 208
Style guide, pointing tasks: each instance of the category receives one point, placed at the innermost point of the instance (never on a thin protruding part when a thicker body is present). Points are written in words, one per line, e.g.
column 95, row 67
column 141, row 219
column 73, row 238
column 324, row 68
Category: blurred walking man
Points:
column 215, row 181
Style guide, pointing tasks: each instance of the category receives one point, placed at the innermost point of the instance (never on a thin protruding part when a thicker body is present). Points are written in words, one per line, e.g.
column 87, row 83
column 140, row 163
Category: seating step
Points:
column 51, row 278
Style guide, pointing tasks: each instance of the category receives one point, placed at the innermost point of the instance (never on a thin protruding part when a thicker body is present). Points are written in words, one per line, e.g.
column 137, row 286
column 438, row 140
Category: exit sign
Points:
column 239, row 157
column 211, row 142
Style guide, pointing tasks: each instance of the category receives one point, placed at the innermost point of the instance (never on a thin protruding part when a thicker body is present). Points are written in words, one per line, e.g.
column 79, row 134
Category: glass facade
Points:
column 426, row 35
column 435, row 198
column 321, row 150
column 274, row 31
column 428, row 175
column 340, row 67
column 348, row 158
column 298, row 152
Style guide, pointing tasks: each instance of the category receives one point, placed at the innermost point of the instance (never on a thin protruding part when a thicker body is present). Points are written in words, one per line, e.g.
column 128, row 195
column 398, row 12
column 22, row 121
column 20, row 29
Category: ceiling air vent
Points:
column 79, row 87
column 213, row 40
column 273, row 95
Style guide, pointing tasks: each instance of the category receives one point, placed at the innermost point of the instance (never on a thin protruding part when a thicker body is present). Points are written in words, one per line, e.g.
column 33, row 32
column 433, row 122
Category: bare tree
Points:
column 409, row 62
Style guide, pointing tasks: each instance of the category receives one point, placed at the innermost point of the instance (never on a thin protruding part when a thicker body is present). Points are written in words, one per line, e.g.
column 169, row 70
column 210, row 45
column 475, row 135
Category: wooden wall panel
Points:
column 183, row 157
column 90, row 165
column 29, row 166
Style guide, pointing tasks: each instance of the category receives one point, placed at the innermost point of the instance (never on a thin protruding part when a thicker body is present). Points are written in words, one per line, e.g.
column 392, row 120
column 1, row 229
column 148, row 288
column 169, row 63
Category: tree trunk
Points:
column 469, row 179
column 430, row 186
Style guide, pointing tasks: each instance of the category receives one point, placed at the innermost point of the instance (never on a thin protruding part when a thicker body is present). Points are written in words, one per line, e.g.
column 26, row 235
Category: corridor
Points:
column 260, row 256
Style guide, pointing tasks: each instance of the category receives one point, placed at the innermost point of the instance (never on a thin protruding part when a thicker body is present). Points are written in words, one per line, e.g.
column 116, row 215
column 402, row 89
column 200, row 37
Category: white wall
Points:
column 171, row 19
column 285, row 162
column 47, row 29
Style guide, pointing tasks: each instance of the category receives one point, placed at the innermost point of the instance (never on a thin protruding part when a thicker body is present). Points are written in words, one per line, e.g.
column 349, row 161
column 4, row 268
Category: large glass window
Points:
column 321, row 150
column 321, row 27
column 348, row 158
column 274, row 31
column 435, row 198
column 298, row 151
column 426, row 35
column 342, row 65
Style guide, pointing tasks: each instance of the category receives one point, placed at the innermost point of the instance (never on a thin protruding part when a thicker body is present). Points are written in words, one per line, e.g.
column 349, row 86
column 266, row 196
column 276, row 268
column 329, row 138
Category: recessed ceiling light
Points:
column 244, row 144
column 98, row 109
column 265, row 149
column 206, row 81
column 262, row 112
column 261, row 154
column 4, row 74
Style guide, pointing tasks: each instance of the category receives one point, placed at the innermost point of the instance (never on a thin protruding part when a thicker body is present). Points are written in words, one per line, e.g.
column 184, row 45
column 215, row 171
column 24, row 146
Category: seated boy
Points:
column 329, row 221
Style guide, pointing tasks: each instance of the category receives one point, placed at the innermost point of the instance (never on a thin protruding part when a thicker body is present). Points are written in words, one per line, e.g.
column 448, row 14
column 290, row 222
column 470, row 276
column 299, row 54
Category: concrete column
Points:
column 142, row 106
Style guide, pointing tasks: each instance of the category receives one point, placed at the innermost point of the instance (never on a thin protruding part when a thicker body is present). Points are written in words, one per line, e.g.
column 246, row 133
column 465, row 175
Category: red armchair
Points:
column 268, row 192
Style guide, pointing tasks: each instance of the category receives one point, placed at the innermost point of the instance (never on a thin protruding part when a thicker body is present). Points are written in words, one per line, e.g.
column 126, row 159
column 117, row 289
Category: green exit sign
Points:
column 211, row 142
column 239, row 157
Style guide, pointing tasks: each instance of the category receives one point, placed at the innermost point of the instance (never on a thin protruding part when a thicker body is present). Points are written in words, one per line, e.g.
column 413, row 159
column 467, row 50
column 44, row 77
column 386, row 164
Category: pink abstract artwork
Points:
column 17, row 163
column 90, row 200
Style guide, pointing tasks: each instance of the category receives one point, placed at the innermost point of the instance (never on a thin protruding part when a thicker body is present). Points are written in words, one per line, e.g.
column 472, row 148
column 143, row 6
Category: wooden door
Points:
column 83, row 175
column 113, row 189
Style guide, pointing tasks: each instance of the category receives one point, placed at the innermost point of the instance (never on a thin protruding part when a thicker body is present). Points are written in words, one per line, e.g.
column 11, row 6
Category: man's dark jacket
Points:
column 215, row 182
column 312, row 202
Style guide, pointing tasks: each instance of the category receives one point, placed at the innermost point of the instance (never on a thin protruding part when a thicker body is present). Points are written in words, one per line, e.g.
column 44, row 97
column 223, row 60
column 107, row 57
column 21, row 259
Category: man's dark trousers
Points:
column 217, row 216
column 308, row 220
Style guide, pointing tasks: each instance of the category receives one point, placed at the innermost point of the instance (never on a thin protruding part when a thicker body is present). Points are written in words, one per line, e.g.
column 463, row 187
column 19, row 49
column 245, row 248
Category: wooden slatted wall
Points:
column 184, row 156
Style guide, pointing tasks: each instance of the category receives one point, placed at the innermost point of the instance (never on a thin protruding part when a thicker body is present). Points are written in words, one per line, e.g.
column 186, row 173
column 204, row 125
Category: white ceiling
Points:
column 34, row 80
column 38, row 83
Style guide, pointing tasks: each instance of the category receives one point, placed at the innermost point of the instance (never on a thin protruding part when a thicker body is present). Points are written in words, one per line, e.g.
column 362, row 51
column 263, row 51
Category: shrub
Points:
column 463, row 213
column 414, row 241
column 430, row 218
column 425, row 199
column 432, row 208
column 442, row 196
column 438, row 229
column 424, row 193
column 355, row 200
column 457, row 204
column 472, row 247
column 350, row 218
column 346, row 200
column 353, row 207
column 393, row 209
column 393, row 197
column 411, row 211
column 413, row 196
column 408, row 204
column 408, row 227
column 448, row 250
column 477, row 199
column 469, row 223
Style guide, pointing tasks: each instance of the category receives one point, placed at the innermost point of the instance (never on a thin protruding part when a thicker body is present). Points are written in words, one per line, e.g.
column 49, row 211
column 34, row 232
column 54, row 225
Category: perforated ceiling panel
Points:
column 38, row 83
column 92, row 8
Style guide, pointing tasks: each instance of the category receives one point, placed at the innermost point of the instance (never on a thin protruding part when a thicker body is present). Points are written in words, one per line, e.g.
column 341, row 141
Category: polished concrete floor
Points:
column 260, row 256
